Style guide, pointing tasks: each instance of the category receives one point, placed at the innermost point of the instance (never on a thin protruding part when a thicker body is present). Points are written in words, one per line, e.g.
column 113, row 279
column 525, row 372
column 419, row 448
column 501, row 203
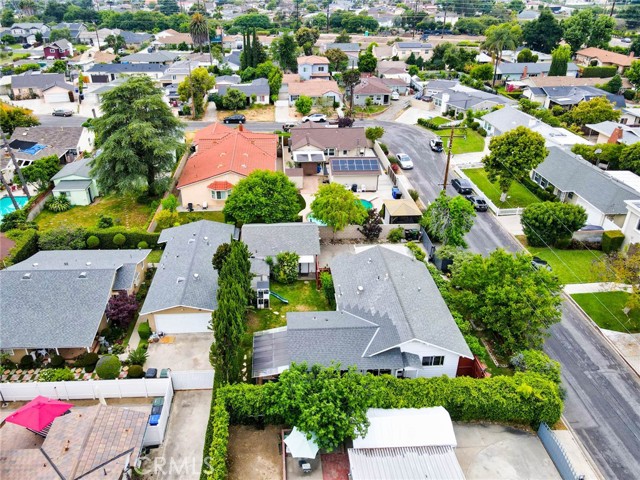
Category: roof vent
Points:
column 82, row 275
column 369, row 260
column 206, row 238
column 88, row 264
column 360, row 289
column 26, row 276
column 66, row 264
column 196, row 275
column 35, row 264
column 180, row 280
column 191, row 240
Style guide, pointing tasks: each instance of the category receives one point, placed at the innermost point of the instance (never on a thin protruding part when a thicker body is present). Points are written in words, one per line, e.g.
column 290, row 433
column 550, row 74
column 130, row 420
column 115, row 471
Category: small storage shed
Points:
column 75, row 182
column 401, row 211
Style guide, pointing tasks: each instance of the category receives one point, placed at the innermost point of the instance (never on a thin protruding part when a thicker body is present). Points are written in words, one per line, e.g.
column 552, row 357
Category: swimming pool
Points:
column 6, row 205
column 366, row 204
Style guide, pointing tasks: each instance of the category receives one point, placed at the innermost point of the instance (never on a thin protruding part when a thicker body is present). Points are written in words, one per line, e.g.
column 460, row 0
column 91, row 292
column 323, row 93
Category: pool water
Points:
column 366, row 204
column 6, row 205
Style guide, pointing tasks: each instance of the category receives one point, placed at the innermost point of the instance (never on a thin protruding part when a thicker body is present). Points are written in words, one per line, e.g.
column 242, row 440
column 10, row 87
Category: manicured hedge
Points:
column 612, row 241
column 26, row 245
column 526, row 398
column 133, row 237
column 599, row 72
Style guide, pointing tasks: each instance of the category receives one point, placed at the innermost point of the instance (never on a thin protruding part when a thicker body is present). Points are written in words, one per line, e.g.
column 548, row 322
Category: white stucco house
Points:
column 75, row 182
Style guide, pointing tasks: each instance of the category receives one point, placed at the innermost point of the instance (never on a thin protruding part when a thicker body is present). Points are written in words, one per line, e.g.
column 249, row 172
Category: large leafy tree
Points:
column 40, row 172
column 338, row 60
column 199, row 30
column 526, row 56
column 195, row 87
column 12, row 117
column 115, row 42
column 500, row 37
column 623, row 267
column 328, row 402
column 449, row 219
column 631, row 16
column 306, row 38
column 596, row 110
column 560, row 61
column 513, row 155
column 586, row 27
column 337, row 207
column 168, row 7
column 60, row 33
column 514, row 302
column 544, row 33
column 629, row 158
column 350, row 79
column 121, row 309
column 285, row 51
column 374, row 133
column 303, row 104
column 367, row 62
column 138, row 136
column 545, row 224
column 234, row 99
column 633, row 74
column 263, row 197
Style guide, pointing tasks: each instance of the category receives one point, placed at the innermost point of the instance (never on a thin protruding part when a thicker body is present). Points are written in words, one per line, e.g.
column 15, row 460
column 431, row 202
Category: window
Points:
column 219, row 194
column 536, row 178
column 7, row 351
column 544, row 183
column 638, row 225
column 570, row 195
column 330, row 152
column 345, row 152
column 433, row 361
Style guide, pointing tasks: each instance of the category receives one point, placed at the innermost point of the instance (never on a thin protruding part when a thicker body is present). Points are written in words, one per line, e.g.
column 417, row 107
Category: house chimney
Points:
column 616, row 135
column 240, row 127
column 525, row 73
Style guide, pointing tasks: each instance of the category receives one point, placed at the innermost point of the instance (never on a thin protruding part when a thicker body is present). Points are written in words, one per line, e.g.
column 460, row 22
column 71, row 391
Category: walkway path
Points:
column 596, row 287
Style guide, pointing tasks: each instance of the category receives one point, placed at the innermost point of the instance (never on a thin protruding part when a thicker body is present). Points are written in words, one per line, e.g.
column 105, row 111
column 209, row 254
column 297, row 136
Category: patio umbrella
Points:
column 38, row 413
column 299, row 446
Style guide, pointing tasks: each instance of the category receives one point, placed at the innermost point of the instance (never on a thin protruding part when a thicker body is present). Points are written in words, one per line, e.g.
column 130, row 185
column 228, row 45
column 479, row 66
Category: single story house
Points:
column 598, row 57
column 31, row 85
column 106, row 72
column 390, row 318
column 359, row 173
column 631, row 226
column 33, row 143
column 518, row 71
column 419, row 442
column 258, row 87
column 397, row 84
column 507, row 118
column 403, row 50
column 56, row 299
column 400, row 211
column 268, row 240
column 433, row 87
column 317, row 89
column 232, row 60
column 614, row 132
column 312, row 146
column 577, row 181
column 171, row 37
column 99, row 441
column 460, row 99
column 228, row 80
column 569, row 96
column 375, row 89
column 630, row 116
column 74, row 182
column 393, row 69
column 59, row 49
column 313, row 66
column 182, row 295
column 75, row 28
column 223, row 156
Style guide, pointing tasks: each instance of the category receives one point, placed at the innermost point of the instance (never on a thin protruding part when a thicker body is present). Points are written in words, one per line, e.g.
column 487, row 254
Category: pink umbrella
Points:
column 38, row 413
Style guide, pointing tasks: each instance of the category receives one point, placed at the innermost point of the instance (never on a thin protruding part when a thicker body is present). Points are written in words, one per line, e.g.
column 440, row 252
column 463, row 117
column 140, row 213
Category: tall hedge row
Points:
column 26, row 245
column 526, row 398
column 599, row 72
column 133, row 237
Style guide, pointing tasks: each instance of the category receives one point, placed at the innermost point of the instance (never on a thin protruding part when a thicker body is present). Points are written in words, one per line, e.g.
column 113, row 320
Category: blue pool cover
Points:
column 34, row 149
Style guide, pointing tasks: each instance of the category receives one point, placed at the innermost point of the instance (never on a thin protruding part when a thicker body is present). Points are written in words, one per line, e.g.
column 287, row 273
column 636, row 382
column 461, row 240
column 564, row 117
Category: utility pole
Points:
column 446, row 169
column 415, row 16
column 8, row 148
column 444, row 22
column 193, row 101
column 612, row 7
column 328, row 3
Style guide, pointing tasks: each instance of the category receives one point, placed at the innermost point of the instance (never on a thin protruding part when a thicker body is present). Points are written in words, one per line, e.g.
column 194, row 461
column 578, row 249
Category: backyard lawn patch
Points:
column 571, row 266
column 154, row 256
column 440, row 120
column 517, row 196
column 606, row 309
column 463, row 142
column 124, row 210
column 213, row 215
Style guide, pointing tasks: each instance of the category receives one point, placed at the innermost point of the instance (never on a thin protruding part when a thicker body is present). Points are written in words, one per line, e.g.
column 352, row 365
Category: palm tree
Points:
column 499, row 37
column 199, row 30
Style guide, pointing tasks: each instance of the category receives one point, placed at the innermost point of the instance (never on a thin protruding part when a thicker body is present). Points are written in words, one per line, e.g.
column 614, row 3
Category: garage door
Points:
column 56, row 97
column 183, row 323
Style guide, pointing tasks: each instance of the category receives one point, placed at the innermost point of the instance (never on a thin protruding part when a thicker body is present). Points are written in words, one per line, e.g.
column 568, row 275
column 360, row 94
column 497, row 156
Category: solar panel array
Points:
column 355, row 165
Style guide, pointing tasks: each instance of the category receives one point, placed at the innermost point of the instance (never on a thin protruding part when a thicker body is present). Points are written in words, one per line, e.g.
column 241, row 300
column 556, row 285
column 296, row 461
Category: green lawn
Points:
column 440, row 120
column 372, row 110
column 468, row 142
column 517, row 196
column 124, row 210
column 606, row 309
column 571, row 266
column 154, row 256
column 213, row 215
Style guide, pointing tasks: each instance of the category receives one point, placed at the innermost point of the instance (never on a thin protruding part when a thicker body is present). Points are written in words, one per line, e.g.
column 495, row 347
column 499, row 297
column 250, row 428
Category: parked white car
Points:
column 404, row 161
column 316, row 117
column 395, row 96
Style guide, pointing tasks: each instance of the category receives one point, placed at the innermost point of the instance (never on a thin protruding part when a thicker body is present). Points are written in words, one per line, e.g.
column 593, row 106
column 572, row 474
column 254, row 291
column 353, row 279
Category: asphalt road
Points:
column 602, row 400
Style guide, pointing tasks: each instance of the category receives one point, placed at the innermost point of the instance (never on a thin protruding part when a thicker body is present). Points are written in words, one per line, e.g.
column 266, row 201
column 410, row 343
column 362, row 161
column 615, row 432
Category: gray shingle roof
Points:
column 79, row 168
column 259, row 86
column 400, row 289
column 505, row 68
column 466, row 98
column 69, row 185
column 188, row 252
column 58, row 140
column 52, row 308
column 127, row 68
column 150, row 57
column 569, row 173
column 36, row 80
column 345, row 47
column 124, row 261
column 267, row 240
column 574, row 95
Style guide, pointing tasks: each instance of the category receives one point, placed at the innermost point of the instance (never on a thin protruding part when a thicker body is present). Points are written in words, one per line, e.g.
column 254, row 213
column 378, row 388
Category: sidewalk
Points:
column 580, row 462
column 396, row 107
column 596, row 287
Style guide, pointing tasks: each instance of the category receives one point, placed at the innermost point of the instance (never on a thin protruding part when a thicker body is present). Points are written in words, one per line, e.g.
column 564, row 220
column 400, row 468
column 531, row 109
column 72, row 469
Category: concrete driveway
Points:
column 494, row 451
column 188, row 351
column 180, row 456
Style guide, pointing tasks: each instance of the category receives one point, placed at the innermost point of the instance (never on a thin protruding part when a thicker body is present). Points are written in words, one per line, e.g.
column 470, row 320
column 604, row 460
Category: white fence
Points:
column 154, row 435
column 351, row 232
column 86, row 390
column 192, row 380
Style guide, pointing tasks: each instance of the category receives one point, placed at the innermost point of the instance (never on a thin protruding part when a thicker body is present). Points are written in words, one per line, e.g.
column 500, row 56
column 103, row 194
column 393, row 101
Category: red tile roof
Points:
column 606, row 56
column 313, row 60
column 221, row 149
column 220, row 185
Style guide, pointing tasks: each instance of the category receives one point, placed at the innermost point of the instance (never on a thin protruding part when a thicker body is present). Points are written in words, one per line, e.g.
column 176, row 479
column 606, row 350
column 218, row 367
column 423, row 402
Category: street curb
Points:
column 595, row 326
column 583, row 449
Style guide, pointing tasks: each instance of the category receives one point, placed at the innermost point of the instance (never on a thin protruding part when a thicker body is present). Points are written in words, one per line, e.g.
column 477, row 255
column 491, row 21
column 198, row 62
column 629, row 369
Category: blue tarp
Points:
column 34, row 149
